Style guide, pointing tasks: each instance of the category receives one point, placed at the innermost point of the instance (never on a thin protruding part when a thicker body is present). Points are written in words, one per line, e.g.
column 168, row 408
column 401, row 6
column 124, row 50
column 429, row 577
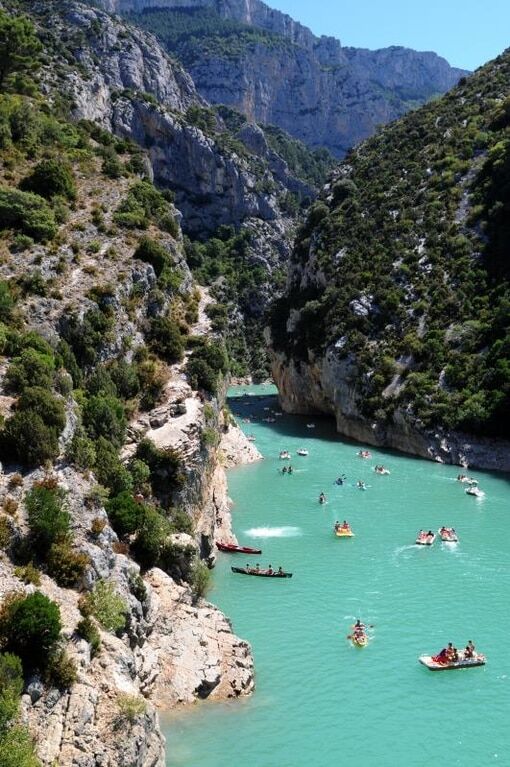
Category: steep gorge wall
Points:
column 314, row 88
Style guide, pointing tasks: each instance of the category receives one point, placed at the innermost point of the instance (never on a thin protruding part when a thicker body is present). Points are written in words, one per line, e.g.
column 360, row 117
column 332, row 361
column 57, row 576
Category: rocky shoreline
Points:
column 328, row 386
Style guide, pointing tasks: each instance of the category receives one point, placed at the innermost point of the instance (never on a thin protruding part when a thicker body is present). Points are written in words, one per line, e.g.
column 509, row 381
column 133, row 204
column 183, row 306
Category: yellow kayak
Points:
column 359, row 641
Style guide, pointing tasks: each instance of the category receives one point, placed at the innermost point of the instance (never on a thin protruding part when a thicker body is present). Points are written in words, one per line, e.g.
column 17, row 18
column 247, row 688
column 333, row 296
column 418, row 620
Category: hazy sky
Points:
column 466, row 32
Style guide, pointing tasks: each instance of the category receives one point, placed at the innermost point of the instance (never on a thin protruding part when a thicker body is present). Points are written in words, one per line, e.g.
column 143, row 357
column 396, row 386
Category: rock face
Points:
column 314, row 88
column 135, row 90
column 331, row 386
column 380, row 324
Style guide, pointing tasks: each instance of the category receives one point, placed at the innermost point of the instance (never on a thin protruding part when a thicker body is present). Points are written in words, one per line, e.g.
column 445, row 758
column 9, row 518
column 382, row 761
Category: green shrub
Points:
column 28, row 574
column 6, row 302
column 143, row 204
column 166, row 339
column 103, row 416
column 47, row 518
column 82, row 451
column 27, row 212
column 152, row 252
column 66, row 565
column 125, row 378
column 112, row 166
column 30, row 626
column 5, row 532
column 11, row 687
column 27, row 439
column 88, row 631
column 109, row 470
column 141, row 474
column 124, row 513
column 100, row 382
column 31, row 368
column 61, row 670
column 19, row 47
column 200, row 579
column 201, row 375
column 40, row 401
column 106, row 604
column 17, row 748
column 165, row 466
column 51, row 178
column 152, row 533
column 131, row 707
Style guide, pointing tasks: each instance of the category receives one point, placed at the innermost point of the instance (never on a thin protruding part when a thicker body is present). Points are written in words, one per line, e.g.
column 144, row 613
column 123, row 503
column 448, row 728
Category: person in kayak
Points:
column 270, row 570
column 290, row 470
column 284, row 470
column 322, row 498
column 280, row 570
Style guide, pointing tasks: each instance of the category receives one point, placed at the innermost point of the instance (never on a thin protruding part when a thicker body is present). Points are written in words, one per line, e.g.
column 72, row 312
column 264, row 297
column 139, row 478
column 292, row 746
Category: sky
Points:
column 466, row 32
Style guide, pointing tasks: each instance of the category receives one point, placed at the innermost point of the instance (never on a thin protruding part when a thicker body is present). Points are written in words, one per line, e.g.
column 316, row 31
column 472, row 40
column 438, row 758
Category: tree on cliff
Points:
column 19, row 46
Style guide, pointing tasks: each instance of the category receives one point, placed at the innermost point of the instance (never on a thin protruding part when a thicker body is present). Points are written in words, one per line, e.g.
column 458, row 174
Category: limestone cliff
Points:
column 273, row 69
column 395, row 317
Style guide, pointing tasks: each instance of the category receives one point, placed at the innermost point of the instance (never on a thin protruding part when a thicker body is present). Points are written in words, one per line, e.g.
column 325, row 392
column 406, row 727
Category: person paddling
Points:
column 322, row 498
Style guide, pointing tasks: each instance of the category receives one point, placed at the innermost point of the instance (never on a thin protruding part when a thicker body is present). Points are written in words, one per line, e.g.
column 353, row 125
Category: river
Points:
column 319, row 701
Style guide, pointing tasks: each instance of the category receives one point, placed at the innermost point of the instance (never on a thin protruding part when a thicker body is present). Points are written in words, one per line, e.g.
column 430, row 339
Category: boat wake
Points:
column 274, row 532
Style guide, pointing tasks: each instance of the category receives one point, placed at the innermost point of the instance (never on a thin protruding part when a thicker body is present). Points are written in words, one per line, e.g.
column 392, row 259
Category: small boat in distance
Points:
column 261, row 573
column 425, row 539
column 448, row 535
column 381, row 470
column 343, row 530
column 310, row 426
column 232, row 548
column 284, row 455
column 475, row 491
column 433, row 665
column 302, row 451
column 364, row 454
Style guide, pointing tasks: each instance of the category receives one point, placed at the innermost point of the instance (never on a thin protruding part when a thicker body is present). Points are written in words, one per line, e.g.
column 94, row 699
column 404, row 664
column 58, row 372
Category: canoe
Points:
column 432, row 665
column 231, row 548
column 260, row 574
column 425, row 541
column 344, row 533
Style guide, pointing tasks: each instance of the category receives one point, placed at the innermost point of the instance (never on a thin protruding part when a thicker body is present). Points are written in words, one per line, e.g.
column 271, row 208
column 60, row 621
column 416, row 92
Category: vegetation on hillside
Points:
column 411, row 244
column 192, row 33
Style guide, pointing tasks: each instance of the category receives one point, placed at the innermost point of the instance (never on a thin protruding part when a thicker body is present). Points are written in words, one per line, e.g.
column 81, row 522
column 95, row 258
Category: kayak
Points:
column 260, row 573
column 359, row 641
column 432, row 665
column 302, row 451
column 475, row 491
column 427, row 540
column 231, row 548
column 342, row 533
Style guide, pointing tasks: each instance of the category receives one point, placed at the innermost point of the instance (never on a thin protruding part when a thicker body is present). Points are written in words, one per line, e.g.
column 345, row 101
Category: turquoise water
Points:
column 319, row 701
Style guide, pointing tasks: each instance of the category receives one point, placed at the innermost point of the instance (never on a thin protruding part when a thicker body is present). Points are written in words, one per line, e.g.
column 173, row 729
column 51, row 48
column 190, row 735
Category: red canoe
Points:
column 231, row 548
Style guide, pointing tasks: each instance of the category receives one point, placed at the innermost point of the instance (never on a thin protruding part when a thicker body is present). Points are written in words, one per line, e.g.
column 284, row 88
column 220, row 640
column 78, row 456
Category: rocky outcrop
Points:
column 314, row 88
column 125, row 82
column 331, row 385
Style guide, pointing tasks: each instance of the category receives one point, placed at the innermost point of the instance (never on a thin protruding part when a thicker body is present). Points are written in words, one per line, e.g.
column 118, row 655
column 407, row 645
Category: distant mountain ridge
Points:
column 246, row 55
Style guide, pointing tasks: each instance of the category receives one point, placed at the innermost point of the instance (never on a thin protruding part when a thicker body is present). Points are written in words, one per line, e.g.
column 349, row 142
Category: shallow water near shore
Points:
column 319, row 701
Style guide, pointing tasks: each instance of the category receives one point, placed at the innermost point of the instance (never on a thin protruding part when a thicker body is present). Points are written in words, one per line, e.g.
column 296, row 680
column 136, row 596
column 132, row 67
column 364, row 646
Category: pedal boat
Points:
column 432, row 665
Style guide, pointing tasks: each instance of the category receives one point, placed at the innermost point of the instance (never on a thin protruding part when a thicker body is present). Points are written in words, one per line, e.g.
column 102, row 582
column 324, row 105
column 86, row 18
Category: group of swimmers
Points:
column 450, row 654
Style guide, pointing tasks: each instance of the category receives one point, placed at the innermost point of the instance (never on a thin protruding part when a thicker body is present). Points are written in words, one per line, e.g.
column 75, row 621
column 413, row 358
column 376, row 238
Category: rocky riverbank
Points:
column 331, row 386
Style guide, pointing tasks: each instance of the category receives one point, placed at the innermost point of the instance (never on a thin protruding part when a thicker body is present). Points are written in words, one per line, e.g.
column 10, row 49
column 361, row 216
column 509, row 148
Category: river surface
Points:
column 319, row 701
